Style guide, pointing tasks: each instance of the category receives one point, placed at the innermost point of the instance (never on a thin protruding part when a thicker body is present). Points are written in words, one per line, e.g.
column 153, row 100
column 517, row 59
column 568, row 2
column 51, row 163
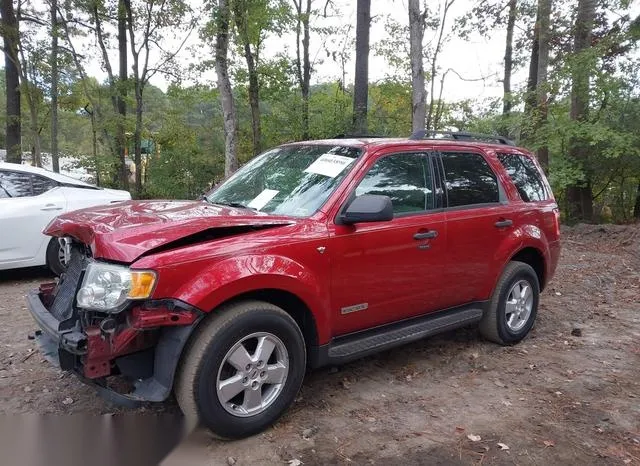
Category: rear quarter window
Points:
column 525, row 176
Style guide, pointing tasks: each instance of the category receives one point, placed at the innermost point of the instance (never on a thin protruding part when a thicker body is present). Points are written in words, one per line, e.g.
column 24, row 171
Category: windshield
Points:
column 290, row 180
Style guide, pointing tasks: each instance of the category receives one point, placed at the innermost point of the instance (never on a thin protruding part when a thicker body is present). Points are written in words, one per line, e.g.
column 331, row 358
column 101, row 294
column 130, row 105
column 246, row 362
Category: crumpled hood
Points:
column 127, row 230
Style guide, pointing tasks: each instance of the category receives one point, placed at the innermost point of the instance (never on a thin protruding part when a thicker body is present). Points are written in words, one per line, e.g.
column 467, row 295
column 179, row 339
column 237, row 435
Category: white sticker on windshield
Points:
column 329, row 165
column 262, row 199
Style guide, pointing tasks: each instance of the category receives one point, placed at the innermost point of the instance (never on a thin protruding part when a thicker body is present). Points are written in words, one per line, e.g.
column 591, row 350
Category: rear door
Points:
column 28, row 202
column 478, row 219
column 387, row 271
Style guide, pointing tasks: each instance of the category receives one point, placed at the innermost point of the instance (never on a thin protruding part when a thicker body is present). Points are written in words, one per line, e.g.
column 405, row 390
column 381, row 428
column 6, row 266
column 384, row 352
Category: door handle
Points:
column 426, row 235
column 504, row 223
column 51, row 207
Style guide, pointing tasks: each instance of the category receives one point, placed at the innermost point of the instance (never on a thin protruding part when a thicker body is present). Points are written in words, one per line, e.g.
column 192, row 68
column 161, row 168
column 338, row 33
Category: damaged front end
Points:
column 99, row 322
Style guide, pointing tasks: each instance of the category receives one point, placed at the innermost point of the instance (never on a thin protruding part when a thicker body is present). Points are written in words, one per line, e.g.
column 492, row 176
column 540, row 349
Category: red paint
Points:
column 141, row 319
column 377, row 263
column 103, row 348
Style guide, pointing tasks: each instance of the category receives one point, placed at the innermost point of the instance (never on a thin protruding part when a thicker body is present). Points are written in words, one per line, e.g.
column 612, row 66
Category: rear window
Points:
column 525, row 176
column 469, row 179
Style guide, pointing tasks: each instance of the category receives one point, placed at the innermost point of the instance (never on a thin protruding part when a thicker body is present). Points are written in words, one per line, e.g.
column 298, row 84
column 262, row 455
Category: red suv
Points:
column 313, row 253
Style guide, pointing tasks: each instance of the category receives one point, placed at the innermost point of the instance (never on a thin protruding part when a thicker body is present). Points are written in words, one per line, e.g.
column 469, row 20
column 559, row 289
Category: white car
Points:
column 30, row 198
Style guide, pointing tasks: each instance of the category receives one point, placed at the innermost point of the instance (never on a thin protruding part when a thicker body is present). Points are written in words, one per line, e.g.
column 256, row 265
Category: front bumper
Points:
column 67, row 346
column 58, row 346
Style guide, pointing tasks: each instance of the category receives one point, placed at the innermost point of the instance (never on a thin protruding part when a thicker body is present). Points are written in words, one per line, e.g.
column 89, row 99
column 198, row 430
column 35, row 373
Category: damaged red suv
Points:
column 313, row 253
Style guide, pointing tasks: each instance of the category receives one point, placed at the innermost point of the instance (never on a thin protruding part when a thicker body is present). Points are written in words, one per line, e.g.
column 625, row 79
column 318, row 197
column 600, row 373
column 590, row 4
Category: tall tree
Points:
column 54, row 86
column 544, row 19
column 303, row 65
column 434, row 65
column 115, row 89
column 11, row 38
column 507, row 100
column 152, row 19
column 532, row 80
column 223, row 17
column 361, row 82
column 121, row 95
column 579, row 195
column 418, row 91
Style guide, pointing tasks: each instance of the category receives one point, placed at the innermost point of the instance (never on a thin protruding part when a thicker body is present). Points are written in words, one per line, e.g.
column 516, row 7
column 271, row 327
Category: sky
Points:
column 472, row 59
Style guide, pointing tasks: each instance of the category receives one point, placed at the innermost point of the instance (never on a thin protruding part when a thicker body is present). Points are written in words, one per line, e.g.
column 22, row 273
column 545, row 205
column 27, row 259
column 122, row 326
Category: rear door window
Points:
column 525, row 176
column 15, row 184
column 42, row 184
column 469, row 179
column 405, row 178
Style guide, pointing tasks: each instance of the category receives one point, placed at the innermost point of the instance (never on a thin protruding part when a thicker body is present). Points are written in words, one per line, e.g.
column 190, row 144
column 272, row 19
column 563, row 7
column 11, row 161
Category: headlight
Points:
column 106, row 287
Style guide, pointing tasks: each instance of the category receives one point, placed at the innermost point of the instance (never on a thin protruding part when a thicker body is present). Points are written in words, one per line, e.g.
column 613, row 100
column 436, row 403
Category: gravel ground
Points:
column 568, row 394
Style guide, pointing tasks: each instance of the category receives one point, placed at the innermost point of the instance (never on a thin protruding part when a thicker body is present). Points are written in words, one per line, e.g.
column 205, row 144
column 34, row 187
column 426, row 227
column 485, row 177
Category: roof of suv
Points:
column 435, row 138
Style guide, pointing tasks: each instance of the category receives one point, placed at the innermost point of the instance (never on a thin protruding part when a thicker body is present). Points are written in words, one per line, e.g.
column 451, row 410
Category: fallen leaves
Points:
column 549, row 443
column 474, row 438
column 503, row 446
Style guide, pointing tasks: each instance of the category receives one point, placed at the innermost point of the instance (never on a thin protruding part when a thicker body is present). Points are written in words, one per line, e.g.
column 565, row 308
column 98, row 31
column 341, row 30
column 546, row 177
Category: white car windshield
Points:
column 292, row 180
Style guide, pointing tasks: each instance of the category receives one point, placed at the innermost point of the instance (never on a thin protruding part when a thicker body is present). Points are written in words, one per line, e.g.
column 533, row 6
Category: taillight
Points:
column 556, row 213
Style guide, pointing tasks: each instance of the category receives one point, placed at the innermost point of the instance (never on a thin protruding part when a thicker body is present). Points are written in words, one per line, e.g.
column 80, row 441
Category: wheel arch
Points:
column 535, row 258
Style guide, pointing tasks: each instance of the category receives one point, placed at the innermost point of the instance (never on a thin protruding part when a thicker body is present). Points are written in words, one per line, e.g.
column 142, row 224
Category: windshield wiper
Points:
column 233, row 204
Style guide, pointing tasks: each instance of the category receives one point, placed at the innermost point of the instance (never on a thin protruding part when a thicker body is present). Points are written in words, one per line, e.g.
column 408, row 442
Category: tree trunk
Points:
column 361, row 82
column 224, row 87
column 137, row 139
column 254, row 99
column 579, row 196
column 138, row 90
column 12, row 81
column 434, row 66
column 532, row 81
column 544, row 16
column 241, row 18
column 508, row 58
column 418, row 91
column 303, row 64
column 36, row 149
column 636, row 209
column 54, row 86
column 123, row 172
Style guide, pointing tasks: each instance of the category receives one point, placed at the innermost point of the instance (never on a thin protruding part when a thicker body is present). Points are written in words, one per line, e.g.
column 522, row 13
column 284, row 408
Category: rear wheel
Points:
column 514, row 305
column 242, row 369
column 56, row 258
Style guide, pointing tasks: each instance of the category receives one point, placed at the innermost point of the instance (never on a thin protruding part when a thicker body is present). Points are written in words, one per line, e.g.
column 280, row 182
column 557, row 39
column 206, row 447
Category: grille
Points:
column 62, row 307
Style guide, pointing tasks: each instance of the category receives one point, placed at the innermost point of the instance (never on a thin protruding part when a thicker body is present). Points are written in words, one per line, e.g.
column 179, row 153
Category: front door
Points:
column 386, row 271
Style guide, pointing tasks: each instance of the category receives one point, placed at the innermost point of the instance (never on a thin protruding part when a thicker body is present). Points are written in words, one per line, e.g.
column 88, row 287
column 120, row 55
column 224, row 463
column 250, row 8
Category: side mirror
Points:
column 368, row 208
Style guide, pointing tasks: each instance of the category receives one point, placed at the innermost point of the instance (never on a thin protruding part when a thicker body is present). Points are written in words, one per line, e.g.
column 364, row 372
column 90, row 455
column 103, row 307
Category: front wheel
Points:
column 56, row 256
column 242, row 369
column 514, row 305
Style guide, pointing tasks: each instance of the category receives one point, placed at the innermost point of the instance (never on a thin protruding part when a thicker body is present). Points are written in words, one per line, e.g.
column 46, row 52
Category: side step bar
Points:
column 356, row 345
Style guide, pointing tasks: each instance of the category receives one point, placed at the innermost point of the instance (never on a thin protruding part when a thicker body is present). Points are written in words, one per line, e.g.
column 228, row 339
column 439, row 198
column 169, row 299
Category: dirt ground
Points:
column 568, row 394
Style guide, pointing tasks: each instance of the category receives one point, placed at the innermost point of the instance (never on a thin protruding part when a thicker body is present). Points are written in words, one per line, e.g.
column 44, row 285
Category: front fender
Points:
column 234, row 276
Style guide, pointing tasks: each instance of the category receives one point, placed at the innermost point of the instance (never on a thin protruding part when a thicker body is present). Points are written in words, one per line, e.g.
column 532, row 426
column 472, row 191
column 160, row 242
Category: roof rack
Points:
column 359, row 136
column 460, row 136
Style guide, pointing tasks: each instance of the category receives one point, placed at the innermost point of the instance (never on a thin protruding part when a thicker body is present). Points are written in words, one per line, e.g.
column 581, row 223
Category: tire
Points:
column 504, row 327
column 53, row 257
column 205, row 363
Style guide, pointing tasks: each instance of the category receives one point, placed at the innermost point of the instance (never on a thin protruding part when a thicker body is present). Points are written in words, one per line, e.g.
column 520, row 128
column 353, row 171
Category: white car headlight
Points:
column 106, row 287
